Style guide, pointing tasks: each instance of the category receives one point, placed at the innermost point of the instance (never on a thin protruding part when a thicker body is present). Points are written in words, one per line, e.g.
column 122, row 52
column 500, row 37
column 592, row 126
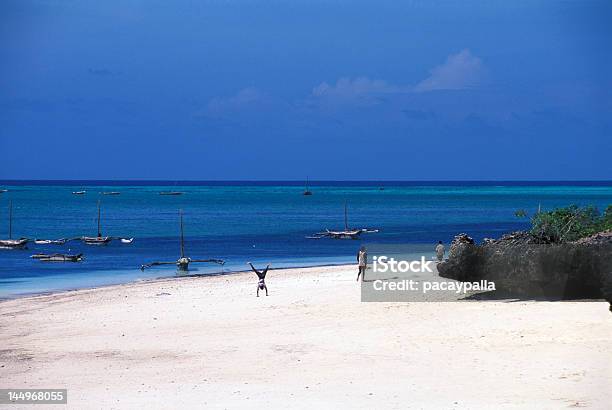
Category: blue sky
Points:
column 415, row 90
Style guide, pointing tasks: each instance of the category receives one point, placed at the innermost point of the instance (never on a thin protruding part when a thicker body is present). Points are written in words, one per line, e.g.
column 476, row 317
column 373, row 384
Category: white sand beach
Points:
column 208, row 342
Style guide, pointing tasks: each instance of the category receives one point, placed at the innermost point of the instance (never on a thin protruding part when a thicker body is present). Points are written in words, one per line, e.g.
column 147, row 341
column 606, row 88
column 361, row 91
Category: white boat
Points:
column 183, row 262
column 96, row 240
column 127, row 240
column 11, row 243
column 347, row 233
column 50, row 241
column 78, row 192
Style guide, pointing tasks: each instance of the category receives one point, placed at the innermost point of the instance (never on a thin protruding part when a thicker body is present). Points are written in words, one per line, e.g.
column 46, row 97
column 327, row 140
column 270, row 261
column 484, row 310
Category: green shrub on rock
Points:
column 570, row 223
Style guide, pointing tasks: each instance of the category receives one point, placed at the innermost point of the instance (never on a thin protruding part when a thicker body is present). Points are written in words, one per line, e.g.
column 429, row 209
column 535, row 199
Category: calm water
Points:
column 240, row 222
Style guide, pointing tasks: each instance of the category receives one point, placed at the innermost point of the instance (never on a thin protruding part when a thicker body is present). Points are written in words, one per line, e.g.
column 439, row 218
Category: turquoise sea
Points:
column 252, row 221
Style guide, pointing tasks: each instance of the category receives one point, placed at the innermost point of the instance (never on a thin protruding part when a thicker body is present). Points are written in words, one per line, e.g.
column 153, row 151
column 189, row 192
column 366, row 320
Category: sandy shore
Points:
column 209, row 342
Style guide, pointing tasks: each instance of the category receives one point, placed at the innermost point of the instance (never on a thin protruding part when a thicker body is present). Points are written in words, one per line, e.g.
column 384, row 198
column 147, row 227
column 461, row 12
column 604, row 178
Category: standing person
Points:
column 261, row 274
column 362, row 261
column 440, row 251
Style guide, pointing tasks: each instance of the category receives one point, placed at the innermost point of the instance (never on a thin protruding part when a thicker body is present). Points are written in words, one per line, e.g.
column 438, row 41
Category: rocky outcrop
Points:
column 523, row 265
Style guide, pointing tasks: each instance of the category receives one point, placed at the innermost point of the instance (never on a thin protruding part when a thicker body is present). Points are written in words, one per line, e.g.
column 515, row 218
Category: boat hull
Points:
column 50, row 241
column 57, row 257
column 102, row 240
column 13, row 243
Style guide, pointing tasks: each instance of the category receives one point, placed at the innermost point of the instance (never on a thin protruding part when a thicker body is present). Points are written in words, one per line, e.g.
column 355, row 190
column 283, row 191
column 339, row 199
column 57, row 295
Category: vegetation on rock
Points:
column 570, row 223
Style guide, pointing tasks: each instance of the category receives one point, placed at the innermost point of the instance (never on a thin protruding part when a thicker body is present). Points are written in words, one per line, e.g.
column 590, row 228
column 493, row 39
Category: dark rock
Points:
column 462, row 258
column 523, row 265
column 600, row 238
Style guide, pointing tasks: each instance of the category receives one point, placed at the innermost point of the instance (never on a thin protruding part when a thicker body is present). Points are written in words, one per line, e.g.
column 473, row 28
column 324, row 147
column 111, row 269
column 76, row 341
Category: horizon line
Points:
column 294, row 179
column 301, row 181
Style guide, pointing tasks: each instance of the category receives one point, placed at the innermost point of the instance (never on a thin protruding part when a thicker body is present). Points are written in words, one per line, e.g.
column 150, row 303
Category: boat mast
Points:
column 345, row 217
column 10, row 219
column 182, row 238
column 99, row 233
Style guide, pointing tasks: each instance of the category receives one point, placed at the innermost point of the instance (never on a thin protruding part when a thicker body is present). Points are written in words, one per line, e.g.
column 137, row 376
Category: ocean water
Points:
column 260, row 222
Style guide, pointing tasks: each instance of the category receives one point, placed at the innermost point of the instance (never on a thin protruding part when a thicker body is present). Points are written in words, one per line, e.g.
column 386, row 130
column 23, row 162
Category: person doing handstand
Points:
column 261, row 274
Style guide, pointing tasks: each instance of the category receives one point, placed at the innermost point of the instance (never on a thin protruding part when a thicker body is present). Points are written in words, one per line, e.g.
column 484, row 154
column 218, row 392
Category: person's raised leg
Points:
column 253, row 268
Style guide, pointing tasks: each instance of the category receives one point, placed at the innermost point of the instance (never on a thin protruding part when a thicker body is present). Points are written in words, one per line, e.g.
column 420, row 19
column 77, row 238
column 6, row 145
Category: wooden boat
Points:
column 307, row 192
column 50, row 241
column 171, row 193
column 97, row 240
column 183, row 262
column 57, row 257
column 79, row 192
column 11, row 243
column 347, row 233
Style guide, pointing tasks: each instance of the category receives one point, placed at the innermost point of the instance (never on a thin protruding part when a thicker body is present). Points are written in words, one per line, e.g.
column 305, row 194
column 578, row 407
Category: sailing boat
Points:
column 11, row 243
column 98, row 240
column 306, row 190
column 347, row 233
column 183, row 262
column 171, row 192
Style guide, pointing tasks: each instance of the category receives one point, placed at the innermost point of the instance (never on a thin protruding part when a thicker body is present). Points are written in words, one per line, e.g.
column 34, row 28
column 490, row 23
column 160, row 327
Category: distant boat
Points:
column 307, row 191
column 78, row 192
column 182, row 263
column 111, row 193
column 97, row 240
column 50, row 241
column 57, row 257
column 12, row 243
column 127, row 240
column 3, row 191
column 347, row 233
column 171, row 193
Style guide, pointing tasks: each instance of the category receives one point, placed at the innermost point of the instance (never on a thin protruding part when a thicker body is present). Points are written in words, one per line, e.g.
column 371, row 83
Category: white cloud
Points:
column 459, row 71
column 222, row 105
column 350, row 88
column 361, row 91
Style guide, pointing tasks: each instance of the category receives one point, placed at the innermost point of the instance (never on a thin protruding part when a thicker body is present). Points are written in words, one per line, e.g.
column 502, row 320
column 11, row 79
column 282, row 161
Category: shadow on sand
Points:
column 497, row 295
